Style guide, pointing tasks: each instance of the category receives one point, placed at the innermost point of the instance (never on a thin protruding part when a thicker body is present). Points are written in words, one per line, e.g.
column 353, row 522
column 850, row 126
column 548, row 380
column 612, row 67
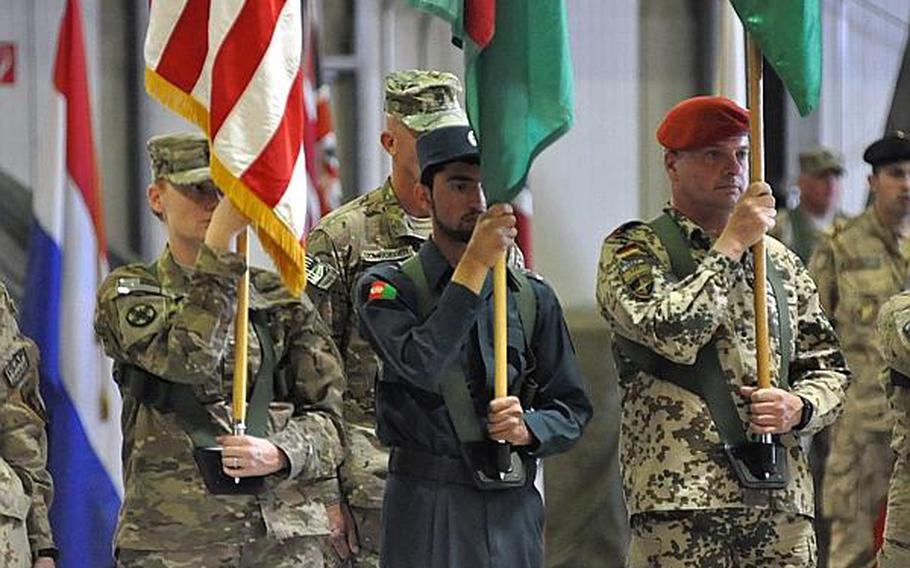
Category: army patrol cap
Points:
column 443, row 145
column 819, row 161
column 182, row 158
column 424, row 100
column 895, row 147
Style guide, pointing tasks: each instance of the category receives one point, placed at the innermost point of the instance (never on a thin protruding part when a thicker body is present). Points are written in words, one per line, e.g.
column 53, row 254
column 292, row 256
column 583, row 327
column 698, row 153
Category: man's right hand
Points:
column 494, row 233
column 752, row 217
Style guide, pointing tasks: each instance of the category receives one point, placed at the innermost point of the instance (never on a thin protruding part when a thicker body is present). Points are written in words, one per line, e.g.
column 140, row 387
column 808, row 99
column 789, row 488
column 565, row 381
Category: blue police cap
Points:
column 443, row 145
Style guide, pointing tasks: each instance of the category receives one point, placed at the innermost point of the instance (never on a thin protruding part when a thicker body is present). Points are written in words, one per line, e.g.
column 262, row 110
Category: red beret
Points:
column 702, row 121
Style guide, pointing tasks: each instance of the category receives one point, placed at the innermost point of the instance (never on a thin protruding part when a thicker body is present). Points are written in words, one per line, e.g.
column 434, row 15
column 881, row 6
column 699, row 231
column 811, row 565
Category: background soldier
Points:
column 386, row 225
column 168, row 327
column 26, row 489
column 691, row 503
column 894, row 333
column 430, row 320
column 819, row 186
column 862, row 264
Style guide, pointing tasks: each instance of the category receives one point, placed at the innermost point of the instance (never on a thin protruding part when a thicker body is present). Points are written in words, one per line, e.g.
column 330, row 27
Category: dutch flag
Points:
column 67, row 260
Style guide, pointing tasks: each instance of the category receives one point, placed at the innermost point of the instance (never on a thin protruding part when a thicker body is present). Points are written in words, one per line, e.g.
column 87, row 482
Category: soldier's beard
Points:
column 454, row 233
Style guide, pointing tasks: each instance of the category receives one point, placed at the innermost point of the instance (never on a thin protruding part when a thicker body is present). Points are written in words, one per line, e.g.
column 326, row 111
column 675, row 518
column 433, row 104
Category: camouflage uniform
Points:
column 796, row 229
column 857, row 268
column 894, row 334
column 175, row 323
column 26, row 489
column 371, row 230
column 673, row 463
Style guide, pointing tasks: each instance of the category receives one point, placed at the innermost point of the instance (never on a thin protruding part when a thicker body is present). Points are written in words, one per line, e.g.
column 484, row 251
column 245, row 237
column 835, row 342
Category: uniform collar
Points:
column 439, row 272
column 692, row 231
column 398, row 222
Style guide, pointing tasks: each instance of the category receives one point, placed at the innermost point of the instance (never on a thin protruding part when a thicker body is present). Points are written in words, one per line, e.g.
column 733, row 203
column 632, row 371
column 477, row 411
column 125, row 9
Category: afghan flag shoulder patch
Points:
column 380, row 290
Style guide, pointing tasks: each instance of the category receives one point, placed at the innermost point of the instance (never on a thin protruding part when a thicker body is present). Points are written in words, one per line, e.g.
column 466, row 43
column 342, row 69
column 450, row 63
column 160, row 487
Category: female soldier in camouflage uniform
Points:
column 168, row 327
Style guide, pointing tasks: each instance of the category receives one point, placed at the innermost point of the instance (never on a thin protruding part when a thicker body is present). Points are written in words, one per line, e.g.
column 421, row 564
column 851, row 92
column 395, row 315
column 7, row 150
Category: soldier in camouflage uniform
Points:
column 819, row 183
column 168, row 326
column 686, row 502
column 858, row 266
column 894, row 333
column 26, row 489
column 386, row 225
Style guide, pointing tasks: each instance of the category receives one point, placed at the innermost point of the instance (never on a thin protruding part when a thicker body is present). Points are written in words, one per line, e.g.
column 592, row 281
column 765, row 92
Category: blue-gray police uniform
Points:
column 433, row 515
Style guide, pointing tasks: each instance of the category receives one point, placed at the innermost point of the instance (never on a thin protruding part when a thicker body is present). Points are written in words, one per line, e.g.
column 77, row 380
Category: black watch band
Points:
column 808, row 411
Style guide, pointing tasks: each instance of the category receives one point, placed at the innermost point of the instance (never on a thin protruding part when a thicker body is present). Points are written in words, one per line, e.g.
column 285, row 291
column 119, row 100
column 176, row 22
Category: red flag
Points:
column 524, row 212
column 480, row 20
column 324, row 187
column 234, row 69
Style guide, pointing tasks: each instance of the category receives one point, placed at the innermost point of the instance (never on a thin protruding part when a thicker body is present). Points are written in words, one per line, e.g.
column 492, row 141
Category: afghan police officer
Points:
column 168, row 327
column 678, row 295
column 819, row 185
column 861, row 264
column 448, row 502
column 387, row 224
column 26, row 489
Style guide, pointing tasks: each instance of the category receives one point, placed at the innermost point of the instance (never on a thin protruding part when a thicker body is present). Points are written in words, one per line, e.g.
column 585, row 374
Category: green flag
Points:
column 789, row 33
column 518, row 88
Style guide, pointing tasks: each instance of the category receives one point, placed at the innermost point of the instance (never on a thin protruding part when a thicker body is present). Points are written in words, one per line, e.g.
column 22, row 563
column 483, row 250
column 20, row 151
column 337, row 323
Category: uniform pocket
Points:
column 13, row 501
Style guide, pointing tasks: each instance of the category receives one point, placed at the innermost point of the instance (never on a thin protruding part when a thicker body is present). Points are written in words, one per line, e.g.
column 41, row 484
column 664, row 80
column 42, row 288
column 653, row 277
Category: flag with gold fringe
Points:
column 233, row 67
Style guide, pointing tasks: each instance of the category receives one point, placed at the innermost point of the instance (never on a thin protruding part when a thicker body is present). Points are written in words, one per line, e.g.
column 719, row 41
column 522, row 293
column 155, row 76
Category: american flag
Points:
column 234, row 68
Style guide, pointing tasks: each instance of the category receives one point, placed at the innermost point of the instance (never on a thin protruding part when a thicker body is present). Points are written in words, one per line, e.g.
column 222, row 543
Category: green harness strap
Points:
column 706, row 377
column 166, row 395
column 454, row 385
column 803, row 236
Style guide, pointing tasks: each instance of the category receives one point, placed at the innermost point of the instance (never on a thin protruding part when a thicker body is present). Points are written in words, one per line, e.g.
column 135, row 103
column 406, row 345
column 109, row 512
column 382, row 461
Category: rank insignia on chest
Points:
column 141, row 315
column 382, row 291
column 16, row 368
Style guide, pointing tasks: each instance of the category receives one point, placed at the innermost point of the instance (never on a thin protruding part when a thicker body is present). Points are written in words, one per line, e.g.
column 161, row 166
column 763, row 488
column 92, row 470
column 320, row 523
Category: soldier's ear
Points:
column 153, row 192
column 387, row 139
column 424, row 196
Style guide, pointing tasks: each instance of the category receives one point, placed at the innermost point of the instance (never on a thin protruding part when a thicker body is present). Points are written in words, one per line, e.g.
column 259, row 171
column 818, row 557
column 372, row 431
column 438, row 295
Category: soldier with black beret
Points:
column 890, row 160
column 857, row 266
column 430, row 321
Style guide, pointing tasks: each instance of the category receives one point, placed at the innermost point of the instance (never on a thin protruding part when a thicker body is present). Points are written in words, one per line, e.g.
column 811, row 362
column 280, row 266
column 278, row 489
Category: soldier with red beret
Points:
column 677, row 293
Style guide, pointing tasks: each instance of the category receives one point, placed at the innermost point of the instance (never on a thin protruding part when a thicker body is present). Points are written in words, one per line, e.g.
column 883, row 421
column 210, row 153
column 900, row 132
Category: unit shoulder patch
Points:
column 320, row 273
column 16, row 368
column 636, row 270
column 141, row 315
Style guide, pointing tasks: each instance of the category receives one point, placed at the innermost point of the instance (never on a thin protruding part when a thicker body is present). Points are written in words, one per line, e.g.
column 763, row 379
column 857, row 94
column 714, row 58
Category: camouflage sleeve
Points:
column 312, row 438
column 328, row 283
column 23, row 440
column 818, row 370
column 643, row 301
column 182, row 343
column 894, row 332
column 822, row 270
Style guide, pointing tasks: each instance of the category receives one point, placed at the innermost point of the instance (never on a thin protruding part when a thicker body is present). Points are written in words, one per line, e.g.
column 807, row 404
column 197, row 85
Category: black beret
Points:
column 894, row 147
column 444, row 145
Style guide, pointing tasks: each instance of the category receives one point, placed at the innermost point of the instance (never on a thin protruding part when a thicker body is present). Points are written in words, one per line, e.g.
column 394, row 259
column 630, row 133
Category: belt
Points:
column 432, row 467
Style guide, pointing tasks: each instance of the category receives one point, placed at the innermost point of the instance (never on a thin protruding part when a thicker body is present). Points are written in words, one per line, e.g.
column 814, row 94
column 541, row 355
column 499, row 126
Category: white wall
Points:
column 863, row 45
column 588, row 183
column 34, row 26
